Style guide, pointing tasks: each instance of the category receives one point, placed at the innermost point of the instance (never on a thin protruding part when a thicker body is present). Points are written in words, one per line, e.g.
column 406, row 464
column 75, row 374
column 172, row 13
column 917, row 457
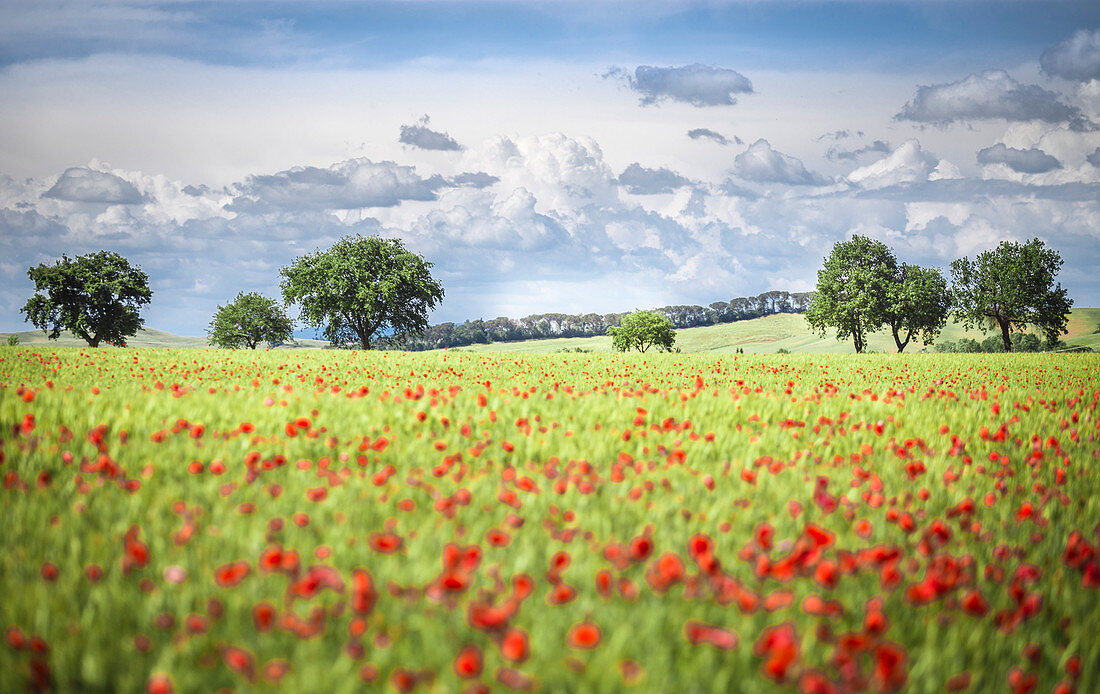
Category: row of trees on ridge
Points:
column 550, row 325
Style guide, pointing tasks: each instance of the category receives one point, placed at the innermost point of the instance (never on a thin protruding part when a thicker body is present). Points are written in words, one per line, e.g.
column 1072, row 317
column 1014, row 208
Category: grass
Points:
column 171, row 476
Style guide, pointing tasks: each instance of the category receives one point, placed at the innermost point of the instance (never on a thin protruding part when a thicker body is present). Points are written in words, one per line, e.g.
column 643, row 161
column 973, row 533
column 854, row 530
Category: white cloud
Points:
column 345, row 185
column 1075, row 58
column 642, row 181
column 713, row 136
column 1030, row 161
column 762, row 164
column 989, row 95
column 906, row 164
column 421, row 136
column 86, row 185
column 698, row 85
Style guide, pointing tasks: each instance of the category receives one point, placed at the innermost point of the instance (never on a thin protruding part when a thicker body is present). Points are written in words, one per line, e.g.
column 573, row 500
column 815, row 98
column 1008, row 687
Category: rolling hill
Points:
column 761, row 335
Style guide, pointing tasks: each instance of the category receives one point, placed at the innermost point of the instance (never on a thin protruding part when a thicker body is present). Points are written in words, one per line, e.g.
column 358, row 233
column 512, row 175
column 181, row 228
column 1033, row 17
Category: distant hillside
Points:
column 544, row 326
column 783, row 331
column 761, row 335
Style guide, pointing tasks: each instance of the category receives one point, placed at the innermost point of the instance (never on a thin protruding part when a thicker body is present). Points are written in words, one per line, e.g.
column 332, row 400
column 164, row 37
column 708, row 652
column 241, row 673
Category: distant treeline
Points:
column 549, row 325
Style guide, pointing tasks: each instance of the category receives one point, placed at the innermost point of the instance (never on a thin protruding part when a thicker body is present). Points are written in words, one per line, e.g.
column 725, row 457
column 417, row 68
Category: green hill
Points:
column 761, row 335
column 783, row 331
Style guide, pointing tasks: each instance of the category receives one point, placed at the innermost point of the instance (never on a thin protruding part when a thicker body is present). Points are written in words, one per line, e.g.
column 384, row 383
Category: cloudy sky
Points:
column 546, row 156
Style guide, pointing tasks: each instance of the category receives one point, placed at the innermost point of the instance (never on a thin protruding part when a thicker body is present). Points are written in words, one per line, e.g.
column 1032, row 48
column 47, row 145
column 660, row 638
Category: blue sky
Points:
column 549, row 156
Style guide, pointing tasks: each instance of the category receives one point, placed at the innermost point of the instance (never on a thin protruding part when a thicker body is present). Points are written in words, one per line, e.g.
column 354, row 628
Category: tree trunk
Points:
column 899, row 342
column 858, row 337
column 1004, row 334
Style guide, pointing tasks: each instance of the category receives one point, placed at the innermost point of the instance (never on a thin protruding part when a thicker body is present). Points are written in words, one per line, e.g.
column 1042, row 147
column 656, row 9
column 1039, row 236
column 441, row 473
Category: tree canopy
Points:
column 96, row 296
column 249, row 320
column 917, row 305
column 1010, row 287
column 853, row 290
column 641, row 330
column 362, row 287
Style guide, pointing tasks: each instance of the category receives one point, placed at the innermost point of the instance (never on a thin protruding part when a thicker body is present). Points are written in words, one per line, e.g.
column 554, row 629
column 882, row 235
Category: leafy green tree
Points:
column 853, row 290
column 13, row 340
column 249, row 320
column 96, row 296
column 1026, row 342
column 1011, row 287
column 918, row 304
column 993, row 344
column 362, row 287
column 641, row 330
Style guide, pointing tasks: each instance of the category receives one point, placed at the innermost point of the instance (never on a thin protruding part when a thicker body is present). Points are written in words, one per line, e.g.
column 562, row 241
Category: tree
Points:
column 362, row 287
column 918, row 304
column 1011, row 287
column 641, row 330
column 852, row 290
column 249, row 320
column 96, row 296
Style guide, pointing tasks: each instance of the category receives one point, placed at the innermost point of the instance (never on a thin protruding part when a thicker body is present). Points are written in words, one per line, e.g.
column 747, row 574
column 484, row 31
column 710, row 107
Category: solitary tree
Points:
column 96, row 296
column 361, row 287
column 1011, row 287
column 853, row 290
column 249, row 320
column 641, row 330
column 917, row 305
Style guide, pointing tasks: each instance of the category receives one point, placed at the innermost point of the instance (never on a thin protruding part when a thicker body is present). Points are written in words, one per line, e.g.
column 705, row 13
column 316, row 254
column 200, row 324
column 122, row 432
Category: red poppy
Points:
column 230, row 575
column 468, row 663
column 583, row 636
column 241, row 662
column 515, row 645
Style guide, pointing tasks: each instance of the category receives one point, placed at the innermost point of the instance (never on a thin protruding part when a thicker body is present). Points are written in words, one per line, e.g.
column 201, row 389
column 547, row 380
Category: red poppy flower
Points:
column 229, row 575
column 583, row 636
column 468, row 663
column 515, row 645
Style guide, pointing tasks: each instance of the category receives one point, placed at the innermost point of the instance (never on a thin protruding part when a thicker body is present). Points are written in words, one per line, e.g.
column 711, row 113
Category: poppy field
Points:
column 331, row 521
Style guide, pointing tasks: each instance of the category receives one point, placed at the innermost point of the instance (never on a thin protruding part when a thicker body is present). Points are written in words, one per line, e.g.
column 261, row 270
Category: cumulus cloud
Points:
column 546, row 214
column 988, row 95
column 1032, row 161
column 698, row 85
column 87, row 185
column 708, row 134
column 835, row 153
column 1094, row 158
column 563, row 173
column 906, row 164
column 478, row 220
column 762, row 164
column 1075, row 58
column 346, row 185
column 478, row 179
column 642, row 181
column 421, row 136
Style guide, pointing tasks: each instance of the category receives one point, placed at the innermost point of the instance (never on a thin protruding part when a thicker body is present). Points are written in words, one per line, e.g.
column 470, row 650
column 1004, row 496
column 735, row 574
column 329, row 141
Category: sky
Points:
column 552, row 156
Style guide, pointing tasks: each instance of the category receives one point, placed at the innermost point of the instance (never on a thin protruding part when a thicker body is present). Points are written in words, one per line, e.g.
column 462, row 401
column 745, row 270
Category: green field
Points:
column 760, row 335
column 335, row 521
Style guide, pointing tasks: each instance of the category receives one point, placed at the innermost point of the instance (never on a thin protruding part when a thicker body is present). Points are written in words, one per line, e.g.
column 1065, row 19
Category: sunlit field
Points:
column 189, row 521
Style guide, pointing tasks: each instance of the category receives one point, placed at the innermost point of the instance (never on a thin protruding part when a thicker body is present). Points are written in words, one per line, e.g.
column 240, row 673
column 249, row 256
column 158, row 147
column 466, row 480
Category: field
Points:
column 308, row 521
